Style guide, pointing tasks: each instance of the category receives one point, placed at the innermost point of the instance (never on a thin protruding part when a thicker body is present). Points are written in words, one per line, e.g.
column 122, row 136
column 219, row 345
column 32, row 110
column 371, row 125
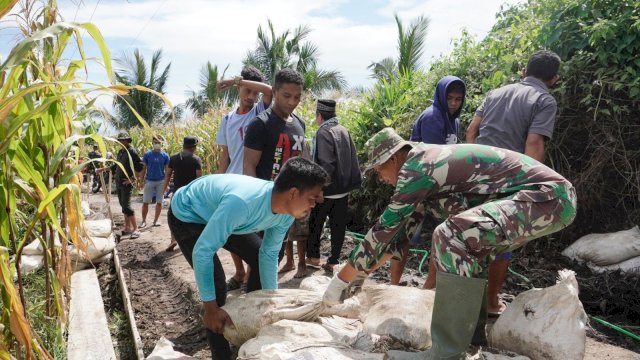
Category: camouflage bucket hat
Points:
column 381, row 146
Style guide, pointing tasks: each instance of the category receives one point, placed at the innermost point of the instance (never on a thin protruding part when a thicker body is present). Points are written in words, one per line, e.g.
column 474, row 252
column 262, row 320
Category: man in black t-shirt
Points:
column 185, row 167
column 276, row 135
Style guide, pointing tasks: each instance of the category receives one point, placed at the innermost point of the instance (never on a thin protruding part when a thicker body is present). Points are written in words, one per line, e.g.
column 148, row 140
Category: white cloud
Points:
column 195, row 31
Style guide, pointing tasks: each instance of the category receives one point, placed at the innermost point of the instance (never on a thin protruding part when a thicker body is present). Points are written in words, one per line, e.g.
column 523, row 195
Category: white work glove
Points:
column 334, row 291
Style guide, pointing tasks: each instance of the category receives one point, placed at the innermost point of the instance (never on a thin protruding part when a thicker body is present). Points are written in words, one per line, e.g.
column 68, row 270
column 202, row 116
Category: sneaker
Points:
column 134, row 235
column 142, row 225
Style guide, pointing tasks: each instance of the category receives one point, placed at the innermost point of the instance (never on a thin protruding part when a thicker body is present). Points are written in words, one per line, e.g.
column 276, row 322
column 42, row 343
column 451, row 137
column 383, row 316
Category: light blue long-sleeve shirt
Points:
column 231, row 204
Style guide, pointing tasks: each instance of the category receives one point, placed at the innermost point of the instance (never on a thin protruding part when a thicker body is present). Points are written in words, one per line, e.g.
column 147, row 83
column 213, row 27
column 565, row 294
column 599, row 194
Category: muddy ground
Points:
column 165, row 299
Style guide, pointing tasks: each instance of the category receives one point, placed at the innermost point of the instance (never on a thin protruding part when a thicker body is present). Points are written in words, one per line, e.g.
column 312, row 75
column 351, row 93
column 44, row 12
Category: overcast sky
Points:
column 350, row 34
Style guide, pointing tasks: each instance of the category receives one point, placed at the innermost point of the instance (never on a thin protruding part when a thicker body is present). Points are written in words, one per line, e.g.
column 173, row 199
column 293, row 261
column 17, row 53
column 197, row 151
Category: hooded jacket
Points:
column 435, row 125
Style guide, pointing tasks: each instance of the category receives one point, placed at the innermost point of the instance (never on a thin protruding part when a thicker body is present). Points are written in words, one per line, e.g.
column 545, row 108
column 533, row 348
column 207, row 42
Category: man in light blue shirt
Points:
column 226, row 211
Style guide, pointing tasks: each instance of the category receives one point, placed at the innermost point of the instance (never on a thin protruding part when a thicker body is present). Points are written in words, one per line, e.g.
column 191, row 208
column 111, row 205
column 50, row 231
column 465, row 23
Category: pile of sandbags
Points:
column 291, row 323
column 608, row 252
column 544, row 323
column 99, row 243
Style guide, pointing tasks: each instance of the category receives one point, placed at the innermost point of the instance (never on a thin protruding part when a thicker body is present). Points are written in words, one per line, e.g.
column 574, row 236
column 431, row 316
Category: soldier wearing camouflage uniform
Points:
column 490, row 200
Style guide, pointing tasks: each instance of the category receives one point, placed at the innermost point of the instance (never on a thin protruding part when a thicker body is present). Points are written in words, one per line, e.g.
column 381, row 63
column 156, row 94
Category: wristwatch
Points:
column 236, row 80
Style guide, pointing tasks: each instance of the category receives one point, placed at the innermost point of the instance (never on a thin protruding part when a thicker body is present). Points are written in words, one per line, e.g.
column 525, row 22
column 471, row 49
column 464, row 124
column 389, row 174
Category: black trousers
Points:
column 246, row 246
column 336, row 209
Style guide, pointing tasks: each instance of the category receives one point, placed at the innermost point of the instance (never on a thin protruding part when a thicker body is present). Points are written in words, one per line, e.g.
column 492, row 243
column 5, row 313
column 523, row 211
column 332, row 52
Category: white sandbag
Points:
column 288, row 339
column 164, row 351
column 630, row 266
column 98, row 228
column 401, row 312
column 250, row 312
column 315, row 283
column 31, row 263
column 83, row 264
column 86, row 209
column 544, row 323
column 96, row 247
column 605, row 249
column 35, row 247
column 480, row 355
column 350, row 332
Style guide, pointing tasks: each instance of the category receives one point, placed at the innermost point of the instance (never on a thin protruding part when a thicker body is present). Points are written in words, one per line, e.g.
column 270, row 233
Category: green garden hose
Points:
column 616, row 328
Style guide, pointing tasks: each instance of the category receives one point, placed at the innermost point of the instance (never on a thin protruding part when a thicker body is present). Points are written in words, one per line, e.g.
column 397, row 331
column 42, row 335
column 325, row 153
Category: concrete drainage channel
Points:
column 89, row 331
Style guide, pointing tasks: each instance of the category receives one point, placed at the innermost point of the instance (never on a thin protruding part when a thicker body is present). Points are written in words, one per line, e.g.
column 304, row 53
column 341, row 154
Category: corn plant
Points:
column 42, row 106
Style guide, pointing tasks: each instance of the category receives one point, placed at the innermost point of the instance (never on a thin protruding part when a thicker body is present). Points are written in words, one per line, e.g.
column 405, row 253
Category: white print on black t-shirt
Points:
column 298, row 142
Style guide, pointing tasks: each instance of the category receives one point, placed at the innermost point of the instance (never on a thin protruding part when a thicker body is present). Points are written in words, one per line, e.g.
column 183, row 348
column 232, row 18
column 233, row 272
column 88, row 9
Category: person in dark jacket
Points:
column 334, row 150
column 439, row 123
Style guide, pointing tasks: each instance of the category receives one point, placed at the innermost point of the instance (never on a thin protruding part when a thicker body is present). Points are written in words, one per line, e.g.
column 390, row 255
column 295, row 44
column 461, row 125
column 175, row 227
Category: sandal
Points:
column 233, row 284
column 328, row 267
column 155, row 224
column 142, row 225
column 134, row 235
column 243, row 288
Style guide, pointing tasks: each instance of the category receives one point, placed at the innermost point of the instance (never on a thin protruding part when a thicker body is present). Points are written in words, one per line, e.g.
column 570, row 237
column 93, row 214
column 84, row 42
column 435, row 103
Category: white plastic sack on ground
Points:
column 31, row 263
column 98, row 228
column 631, row 266
column 544, row 323
column 481, row 355
column 288, row 339
column 96, row 247
column 35, row 247
column 86, row 209
column 350, row 332
column 250, row 312
column 164, row 351
column 605, row 249
column 316, row 284
column 82, row 264
column 403, row 313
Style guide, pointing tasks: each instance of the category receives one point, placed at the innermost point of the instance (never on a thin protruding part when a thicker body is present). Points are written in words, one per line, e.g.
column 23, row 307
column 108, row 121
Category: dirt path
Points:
column 165, row 298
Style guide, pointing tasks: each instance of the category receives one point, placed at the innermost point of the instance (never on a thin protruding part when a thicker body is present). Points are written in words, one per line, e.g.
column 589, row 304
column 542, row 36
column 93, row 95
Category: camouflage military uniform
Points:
column 491, row 200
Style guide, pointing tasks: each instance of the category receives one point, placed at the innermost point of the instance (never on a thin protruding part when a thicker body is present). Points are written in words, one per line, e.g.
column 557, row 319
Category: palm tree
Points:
column 290, row 50
column 150, row 107
column 200, row 102
column 410, row 49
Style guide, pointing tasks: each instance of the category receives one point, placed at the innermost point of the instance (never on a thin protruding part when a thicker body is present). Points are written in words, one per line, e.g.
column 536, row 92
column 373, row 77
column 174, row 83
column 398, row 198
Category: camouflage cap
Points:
column 381, row 146
column 123, row 135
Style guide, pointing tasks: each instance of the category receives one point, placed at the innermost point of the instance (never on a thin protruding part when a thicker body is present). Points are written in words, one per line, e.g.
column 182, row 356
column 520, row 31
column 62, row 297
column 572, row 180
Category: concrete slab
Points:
column 89, row 336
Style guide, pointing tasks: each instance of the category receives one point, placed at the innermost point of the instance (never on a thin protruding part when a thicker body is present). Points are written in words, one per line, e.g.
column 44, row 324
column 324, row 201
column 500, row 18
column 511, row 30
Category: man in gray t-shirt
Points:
column 518, row 117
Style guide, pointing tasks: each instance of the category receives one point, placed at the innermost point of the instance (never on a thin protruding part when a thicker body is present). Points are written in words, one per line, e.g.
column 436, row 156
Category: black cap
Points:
column 189, row 141
column 326, row 105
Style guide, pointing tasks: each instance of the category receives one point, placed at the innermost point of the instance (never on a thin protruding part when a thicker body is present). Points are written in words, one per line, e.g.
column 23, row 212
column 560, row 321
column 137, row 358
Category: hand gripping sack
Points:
column 544, row 323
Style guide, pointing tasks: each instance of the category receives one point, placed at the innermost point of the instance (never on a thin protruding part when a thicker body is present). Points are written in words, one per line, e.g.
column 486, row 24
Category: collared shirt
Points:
column 513, row 111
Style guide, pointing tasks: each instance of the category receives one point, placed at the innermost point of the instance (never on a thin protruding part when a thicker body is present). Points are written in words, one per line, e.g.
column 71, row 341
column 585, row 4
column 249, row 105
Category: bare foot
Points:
column 286, row 268
column 495, row 311
column 302, row 272
column 171, row 246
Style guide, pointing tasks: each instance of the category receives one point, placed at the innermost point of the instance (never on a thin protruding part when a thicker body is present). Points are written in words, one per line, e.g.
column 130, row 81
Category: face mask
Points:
column 157, row 146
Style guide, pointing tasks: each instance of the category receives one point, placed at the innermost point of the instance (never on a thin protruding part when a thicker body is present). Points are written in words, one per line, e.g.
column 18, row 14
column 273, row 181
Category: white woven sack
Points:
column 98, row 228
column 605, row 249
column 401, row 312
column 544, row 323
column 630, row 266
column 289, row 340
